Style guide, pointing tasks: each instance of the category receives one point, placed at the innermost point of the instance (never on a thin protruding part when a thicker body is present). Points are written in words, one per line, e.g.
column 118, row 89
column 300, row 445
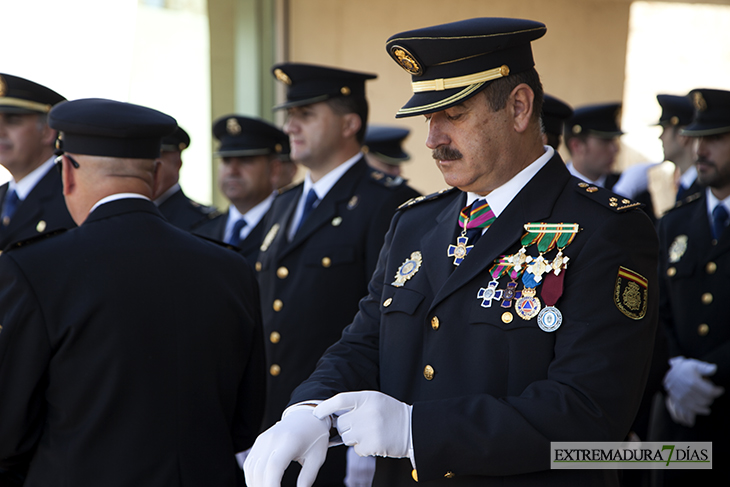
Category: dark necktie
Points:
column 308, row 207
column 9, row 206
column 681, row 192
column 719, row 220
column 236, row 232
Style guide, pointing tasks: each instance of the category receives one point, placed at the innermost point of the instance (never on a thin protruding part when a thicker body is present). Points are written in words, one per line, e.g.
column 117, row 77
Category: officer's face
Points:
column 169, row 171
column 246, row 181
column 23, row 141
column 596, row 156
column 713, row 161
column 471, row 145
column 671, row 142
column 315, row 133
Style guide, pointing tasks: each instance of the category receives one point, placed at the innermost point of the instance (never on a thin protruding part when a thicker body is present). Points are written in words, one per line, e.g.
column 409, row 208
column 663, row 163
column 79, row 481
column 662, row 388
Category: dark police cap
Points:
column 20, row 95
column 600, row 120
column 245, row 136
column 711, row 113
column 177, row 141
column 309, row 83
column 100, row 127
column 676, row 110
column 554, row 113
column 450, row 63
column 385, row 142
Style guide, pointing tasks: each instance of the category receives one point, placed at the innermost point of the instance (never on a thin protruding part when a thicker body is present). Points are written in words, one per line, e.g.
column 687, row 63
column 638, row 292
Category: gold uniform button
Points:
column 258, row 266
column 435, row 323
column 672, row 271
column 414, row 474
column 428, row 372
column 703, row 329
column 326, row 262
column 41, row 227
column 275, row 370
column 387, row 302
column 282, row 272
column 275, row 337
column 711, row 267
column 507, row 317
column 449, row 475
column 707, row 298
column 278, row 304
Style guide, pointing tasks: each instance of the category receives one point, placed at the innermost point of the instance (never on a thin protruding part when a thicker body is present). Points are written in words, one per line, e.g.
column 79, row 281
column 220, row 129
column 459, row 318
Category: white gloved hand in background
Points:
column 299, row 436
column 372, row 422
column 689, row 392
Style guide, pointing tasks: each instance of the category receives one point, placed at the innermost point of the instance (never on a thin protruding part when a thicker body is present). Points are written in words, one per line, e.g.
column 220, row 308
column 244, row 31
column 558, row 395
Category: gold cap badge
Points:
column 282, row 76
column 699, row 101
column 345, row 90
column 233, row 127
column 406, row 60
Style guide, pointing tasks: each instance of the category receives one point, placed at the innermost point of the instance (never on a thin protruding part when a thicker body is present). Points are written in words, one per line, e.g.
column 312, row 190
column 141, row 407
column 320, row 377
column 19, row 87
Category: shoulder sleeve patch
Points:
column 606, row 198
column 430, row 197
column 631, row 292
column 34, row 239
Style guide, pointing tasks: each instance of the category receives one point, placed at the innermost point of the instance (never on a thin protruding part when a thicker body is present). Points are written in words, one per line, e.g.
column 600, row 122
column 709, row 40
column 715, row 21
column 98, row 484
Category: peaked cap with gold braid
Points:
column 20, row 95
column 711, row 114
column 450, row 63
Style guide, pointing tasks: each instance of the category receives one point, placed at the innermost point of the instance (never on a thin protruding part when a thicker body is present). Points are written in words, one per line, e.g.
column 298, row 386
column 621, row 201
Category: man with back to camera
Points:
column 472, row 353
column 323, row 235
column 694, row 253
column 591, row 135
column 32, row 202
column 116, row 371
column 251, row 152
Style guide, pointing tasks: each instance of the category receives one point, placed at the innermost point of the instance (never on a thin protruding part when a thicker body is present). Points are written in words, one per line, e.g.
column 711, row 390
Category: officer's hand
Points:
column 690, row 392
column 373, row 422
column 299, row 436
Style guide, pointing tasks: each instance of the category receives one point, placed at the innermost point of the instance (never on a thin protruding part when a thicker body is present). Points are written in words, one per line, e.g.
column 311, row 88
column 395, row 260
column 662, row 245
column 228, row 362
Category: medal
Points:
column 549, row 319
column 408, row 269
column 527, row 305
column 460, row 250
column 489, row 293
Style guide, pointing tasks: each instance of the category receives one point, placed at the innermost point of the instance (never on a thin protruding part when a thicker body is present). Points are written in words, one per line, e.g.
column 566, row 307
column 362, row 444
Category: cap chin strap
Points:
column 442, row 84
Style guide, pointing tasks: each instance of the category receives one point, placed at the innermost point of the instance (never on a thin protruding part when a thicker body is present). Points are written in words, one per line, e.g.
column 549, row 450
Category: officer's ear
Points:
column 156, row 180
column 521, row 101
column 351, row 124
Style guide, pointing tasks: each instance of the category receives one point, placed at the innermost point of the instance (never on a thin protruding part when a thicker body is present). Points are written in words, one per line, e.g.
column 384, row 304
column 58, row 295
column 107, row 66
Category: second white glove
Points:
column 372, row 422
column 690, row 391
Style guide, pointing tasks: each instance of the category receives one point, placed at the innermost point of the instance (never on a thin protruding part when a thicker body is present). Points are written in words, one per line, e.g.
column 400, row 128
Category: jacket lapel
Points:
column 29, row 210
column 435, row 242
column 508, row 228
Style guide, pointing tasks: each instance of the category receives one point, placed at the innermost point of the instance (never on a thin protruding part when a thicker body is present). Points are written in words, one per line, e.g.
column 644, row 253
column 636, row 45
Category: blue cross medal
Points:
column 460, row 250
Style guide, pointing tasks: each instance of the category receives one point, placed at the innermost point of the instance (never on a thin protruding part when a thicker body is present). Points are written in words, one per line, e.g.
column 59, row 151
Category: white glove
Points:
column 689, row 393
column 241, row 457
column 299, row 436
column 360, row 470
column 373, row 422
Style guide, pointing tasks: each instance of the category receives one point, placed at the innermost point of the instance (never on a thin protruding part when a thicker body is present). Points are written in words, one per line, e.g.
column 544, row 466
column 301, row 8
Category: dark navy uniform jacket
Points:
column 185, row 213
column 695, row 276
column 499, row 389
column 131, row 354
column 44, row 210
column 249, row 246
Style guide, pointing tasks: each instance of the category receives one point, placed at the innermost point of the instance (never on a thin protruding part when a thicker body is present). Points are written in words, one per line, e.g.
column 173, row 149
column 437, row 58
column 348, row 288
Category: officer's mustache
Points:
column 446, row 153
column 704, row 160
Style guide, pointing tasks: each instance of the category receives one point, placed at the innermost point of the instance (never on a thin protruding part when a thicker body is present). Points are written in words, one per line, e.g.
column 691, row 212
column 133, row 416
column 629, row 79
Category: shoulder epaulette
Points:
column 386, row 180
column 606, row 198
column 34, row 239
column 421, row 199
column 686, row 200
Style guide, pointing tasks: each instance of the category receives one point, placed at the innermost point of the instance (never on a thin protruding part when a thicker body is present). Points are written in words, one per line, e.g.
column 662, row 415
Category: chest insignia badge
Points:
column 678, row 248
column 408, row 269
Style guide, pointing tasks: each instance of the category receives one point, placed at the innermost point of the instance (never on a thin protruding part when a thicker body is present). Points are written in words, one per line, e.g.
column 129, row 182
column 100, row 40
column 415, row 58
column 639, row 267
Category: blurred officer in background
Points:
column 383, row 148
column 554, row 114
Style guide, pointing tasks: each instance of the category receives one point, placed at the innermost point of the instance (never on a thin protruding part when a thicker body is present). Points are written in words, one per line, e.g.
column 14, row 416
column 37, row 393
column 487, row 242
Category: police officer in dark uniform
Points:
column 677, row 113
column 383, row 148
column 251, row 151
column 591, row 136
column 116, row 370
column 471, row 352
column 32, row 202
column 694, row 259
column 554, row 114
column 172, row 202
column 322, row 236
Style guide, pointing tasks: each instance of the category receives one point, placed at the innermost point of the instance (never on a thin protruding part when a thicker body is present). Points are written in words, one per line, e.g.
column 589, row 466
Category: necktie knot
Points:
column 478, row 215
column 236, row 232
column 309, row 204
column 719, row 220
